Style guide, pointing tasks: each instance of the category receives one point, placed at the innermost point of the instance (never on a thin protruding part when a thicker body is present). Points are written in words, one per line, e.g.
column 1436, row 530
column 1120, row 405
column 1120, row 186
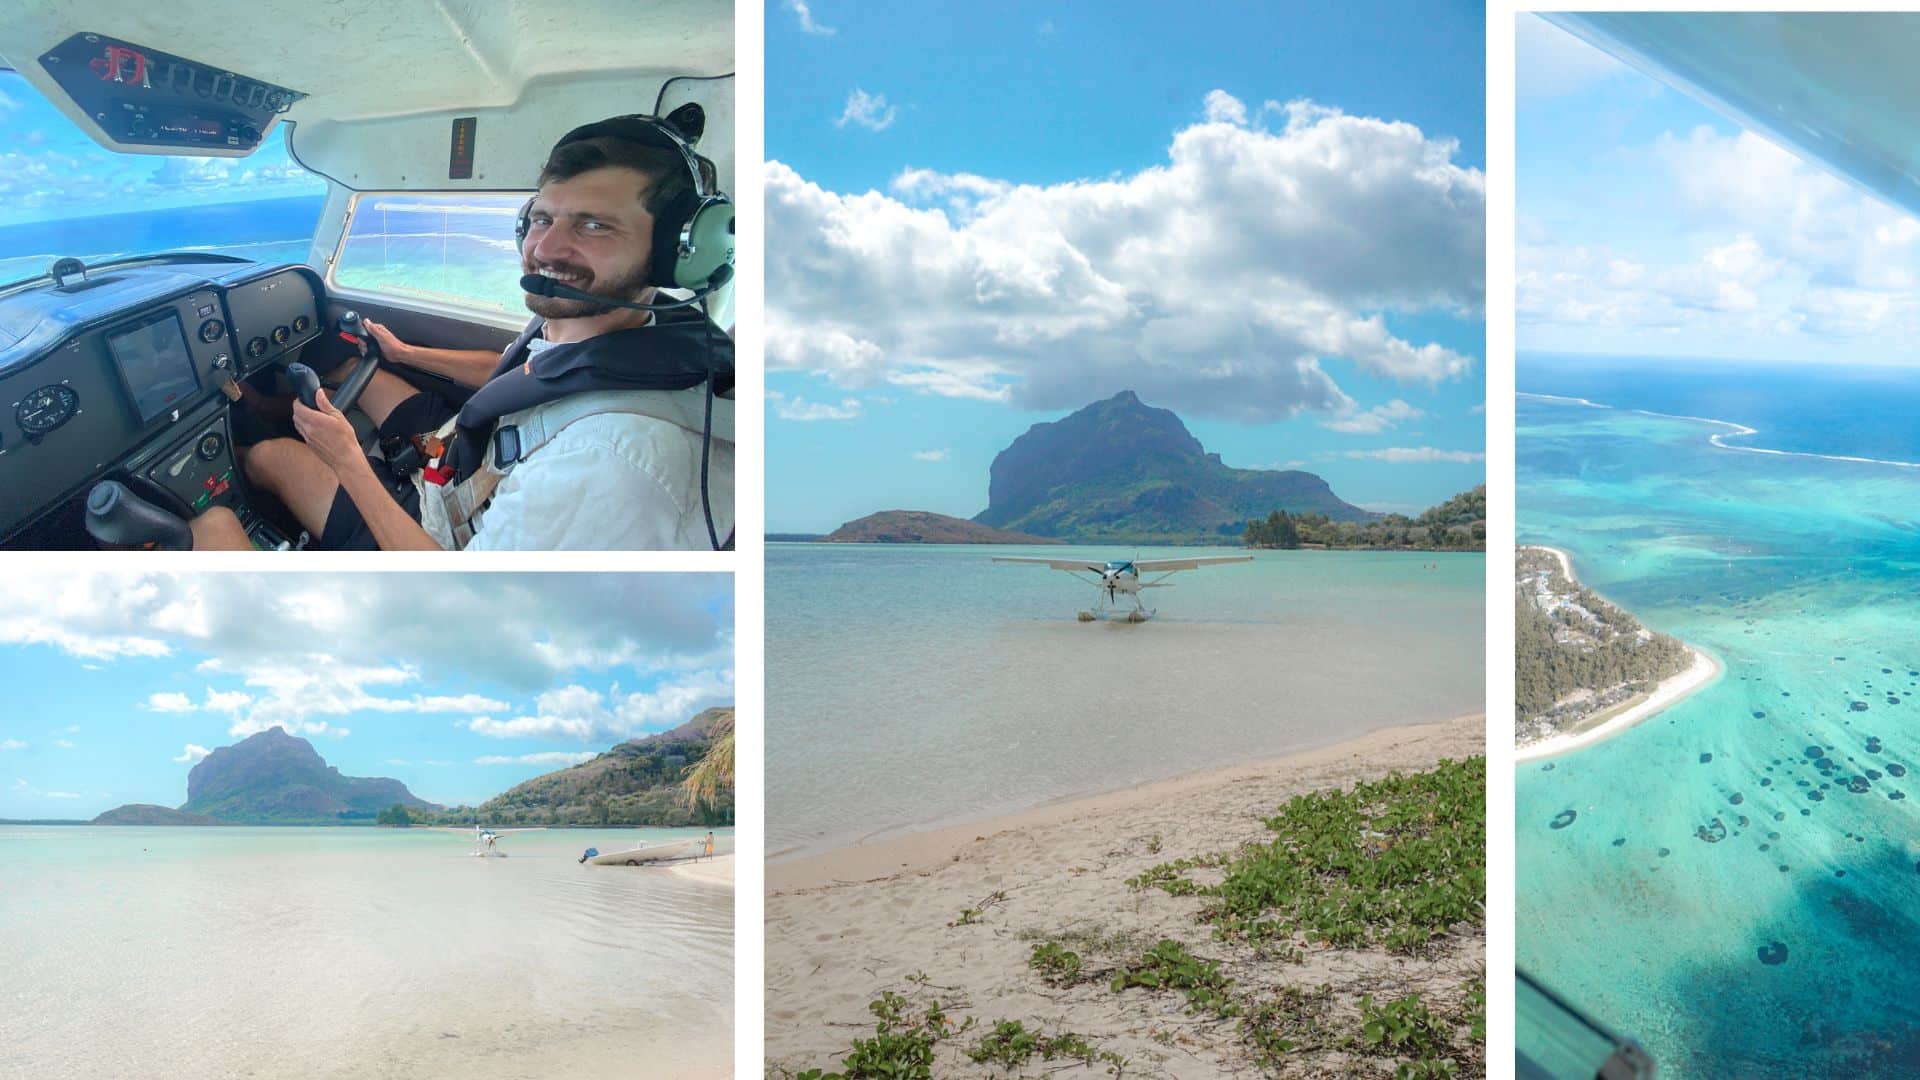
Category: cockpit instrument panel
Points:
column 144, row 97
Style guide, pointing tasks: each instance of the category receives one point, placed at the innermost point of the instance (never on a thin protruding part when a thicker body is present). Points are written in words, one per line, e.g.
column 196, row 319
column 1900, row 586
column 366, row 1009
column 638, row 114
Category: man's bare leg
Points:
column 384, row 392
column 297, row 475
column 219, row 530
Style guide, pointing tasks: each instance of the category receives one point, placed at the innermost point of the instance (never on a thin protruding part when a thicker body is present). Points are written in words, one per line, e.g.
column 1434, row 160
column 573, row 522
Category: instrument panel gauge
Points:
column 212, row 330
column 300, row 324
column 281, row 334
column 45, row 409
column 256, row 348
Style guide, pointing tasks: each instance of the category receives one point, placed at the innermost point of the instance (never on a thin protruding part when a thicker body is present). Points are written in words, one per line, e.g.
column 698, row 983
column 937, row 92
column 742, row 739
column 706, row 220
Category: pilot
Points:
column 631, row 469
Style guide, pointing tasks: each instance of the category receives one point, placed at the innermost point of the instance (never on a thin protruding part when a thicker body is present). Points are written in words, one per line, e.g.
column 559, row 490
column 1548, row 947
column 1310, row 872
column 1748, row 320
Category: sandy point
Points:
column 1699, row 674
column 715, row 871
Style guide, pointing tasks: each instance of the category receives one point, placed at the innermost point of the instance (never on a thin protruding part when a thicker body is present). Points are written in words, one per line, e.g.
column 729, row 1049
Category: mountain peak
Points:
column 1121, row 469
column 273, row 776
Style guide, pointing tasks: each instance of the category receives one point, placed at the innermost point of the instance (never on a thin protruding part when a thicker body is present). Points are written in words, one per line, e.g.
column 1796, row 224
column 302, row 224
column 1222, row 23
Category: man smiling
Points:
column 598, row 429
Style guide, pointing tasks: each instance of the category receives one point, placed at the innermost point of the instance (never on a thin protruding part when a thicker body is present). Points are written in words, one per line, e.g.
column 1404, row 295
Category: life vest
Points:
column 533, row 396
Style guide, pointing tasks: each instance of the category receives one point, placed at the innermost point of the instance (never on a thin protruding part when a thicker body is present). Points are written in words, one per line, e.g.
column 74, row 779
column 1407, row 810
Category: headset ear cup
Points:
column 709, row 232
column 522, row 225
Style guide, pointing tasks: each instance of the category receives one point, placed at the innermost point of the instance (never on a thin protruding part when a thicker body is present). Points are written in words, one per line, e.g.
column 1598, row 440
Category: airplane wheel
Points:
column 633, row 862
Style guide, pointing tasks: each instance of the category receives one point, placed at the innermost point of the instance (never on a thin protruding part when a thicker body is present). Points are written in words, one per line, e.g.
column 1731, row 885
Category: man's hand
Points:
column 329, row 435
column 391, row 347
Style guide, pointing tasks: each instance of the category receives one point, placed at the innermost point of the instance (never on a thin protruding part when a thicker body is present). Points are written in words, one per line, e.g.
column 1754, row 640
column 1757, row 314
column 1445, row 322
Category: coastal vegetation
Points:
column 1395, row 866
column 1459, row 524
column 638, row 782
column 1576, row 655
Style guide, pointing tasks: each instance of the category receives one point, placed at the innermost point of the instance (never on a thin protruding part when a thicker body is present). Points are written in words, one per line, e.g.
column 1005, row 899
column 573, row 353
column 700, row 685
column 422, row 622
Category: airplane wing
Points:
column 1168, row 566
column 1834, row 88
column 1056, row 564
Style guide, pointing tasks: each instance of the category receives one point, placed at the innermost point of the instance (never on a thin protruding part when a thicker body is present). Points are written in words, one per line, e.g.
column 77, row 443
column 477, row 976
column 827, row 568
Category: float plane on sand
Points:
column 1119, row 578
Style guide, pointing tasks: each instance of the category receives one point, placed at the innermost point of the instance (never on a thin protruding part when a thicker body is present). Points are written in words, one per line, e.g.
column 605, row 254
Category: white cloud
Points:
column 12, row 744
column 805, row 15
column 1215, row 284
column 191, row 752
column 169, row 702
column 63, row 744
column 930, row 455
column 61, row 794
column 1375, row 420
column 550, row 757
column 870, row 111
column 1405, row 455
column 800, row 408
column 587, row 715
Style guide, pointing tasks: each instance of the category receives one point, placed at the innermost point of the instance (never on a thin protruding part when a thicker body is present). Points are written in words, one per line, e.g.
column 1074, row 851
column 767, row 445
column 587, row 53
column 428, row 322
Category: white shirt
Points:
column 615, row 482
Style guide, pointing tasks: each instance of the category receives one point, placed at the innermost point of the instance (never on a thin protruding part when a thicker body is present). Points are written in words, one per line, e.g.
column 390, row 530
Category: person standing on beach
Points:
column 709, row 846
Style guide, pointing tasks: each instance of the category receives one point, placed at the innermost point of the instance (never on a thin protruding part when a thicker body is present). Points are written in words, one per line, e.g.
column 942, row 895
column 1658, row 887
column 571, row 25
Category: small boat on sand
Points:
column 672, row 849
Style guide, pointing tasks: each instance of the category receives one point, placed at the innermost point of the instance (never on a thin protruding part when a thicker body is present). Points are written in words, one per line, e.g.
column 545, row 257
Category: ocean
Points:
column 911, row 686
column 1739, row 887
column 456, row 247
column 349, row 953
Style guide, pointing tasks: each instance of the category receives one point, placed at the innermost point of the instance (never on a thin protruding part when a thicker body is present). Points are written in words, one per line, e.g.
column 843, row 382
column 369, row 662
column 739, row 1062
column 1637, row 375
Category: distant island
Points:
column 273, row 778
column 925, row 527
column 1120, row 471
column 1579, row 661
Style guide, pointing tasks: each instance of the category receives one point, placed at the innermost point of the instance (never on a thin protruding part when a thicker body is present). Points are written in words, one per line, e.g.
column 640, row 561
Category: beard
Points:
column 628, row 286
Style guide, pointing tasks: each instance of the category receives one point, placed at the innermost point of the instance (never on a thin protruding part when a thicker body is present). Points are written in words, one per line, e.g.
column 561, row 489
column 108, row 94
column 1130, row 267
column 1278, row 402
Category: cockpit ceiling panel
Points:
column 508, row 145
column 362, row 59
column 1839, row 89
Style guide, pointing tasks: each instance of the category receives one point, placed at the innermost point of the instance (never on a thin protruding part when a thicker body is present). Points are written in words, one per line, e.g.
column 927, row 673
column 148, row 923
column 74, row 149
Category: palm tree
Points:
column 707, row 778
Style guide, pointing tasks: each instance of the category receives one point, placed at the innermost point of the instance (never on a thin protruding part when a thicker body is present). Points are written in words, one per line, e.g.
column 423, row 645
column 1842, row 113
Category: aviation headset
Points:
column 692, row 244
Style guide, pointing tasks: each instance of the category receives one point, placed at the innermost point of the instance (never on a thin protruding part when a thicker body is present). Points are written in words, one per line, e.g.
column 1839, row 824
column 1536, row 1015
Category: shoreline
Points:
column 956, row 921
column 715, row 871
column 900, row 854
column 1702, row 672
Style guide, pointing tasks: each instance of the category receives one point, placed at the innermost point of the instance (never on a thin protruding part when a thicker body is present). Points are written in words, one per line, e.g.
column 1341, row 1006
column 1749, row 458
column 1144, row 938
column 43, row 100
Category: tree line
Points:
column 1459, row 524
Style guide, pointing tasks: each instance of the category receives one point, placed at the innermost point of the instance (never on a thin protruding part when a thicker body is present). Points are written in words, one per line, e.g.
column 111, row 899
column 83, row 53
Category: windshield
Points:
column 63, row 195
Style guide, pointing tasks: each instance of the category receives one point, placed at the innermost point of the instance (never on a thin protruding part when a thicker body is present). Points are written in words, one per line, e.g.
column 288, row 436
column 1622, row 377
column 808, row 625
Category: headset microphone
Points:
column 541, row 285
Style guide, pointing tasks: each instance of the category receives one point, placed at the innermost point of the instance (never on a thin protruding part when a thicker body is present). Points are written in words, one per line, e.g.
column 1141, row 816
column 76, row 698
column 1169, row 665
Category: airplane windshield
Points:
column 63, row 195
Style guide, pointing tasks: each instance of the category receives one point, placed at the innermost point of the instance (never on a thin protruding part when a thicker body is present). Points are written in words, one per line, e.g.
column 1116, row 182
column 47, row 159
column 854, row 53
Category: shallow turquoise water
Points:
column 353, row 953
column 917, row 685
column 1798, row 574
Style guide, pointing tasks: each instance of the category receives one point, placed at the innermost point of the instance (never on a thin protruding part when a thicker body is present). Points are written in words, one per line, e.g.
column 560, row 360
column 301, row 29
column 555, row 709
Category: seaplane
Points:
column 1122, row 578
column 486, row 842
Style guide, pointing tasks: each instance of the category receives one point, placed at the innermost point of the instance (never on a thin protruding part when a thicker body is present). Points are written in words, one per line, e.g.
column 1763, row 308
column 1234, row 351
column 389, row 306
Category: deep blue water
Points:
column 25, row 249
column 1807, row 408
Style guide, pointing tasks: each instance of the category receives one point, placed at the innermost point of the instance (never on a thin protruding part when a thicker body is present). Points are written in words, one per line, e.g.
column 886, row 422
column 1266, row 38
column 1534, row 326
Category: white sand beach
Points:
column 845, row 925
column 715, row 871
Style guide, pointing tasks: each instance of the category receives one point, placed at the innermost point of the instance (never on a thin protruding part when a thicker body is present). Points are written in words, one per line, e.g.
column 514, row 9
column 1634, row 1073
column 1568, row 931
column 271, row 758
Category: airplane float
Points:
column 1118, row 578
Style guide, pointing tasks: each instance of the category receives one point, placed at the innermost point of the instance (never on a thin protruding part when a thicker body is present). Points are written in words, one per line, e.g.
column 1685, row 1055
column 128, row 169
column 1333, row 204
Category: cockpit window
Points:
column 445, row 247
column 62, row 195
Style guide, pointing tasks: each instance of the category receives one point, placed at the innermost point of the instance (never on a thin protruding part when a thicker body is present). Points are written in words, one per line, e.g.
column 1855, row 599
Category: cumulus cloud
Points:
column 870, row 111
column 805, row 16
column 169, row 702
column 582, row 714
column 930, row 455
column 1217, row 283
column 1407, row 455
column 1771, row 249
column 12, row 744
column 190, row 753
column 64, row 744
column 1375, row 420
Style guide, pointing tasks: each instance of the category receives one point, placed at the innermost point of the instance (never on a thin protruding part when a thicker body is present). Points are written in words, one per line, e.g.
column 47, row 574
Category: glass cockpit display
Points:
column 155, row 365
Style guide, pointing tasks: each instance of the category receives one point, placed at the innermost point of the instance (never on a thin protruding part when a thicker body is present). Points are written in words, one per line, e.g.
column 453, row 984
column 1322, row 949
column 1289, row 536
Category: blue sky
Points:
column 459, row 685
column 1269, row 219
column 49, row 170
column 1649, row 225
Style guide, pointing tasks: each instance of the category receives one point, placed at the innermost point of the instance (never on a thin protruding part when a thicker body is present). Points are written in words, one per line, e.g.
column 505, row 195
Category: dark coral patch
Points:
column 1664, row 852
column 1896, row 769
column 1896, row 796
column 1736, row 798
column 1620, row 841
column 1814, row 752
column 1858, row 785
column 1704, row 758
column 1562, row 819
column 1758, row 715
column 1857, row 706
column 1773, row 954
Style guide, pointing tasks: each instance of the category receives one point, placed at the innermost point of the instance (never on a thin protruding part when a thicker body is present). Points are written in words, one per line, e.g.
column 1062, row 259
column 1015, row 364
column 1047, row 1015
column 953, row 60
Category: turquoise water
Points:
column 916, row 685
column 230, row 952
column 1797, row 573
